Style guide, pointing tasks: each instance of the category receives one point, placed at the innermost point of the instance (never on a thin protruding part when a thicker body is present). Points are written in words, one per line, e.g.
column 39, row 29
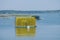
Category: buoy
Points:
column 28, row 28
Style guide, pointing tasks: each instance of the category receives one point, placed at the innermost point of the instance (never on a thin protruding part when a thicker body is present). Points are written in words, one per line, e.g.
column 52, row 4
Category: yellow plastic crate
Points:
column 25, row 21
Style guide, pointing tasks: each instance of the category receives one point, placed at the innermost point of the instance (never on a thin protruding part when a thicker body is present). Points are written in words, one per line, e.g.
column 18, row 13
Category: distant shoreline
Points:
column 15, row 11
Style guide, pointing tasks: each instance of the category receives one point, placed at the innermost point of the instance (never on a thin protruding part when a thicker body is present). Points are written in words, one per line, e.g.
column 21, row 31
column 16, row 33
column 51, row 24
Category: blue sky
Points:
column 29, row 4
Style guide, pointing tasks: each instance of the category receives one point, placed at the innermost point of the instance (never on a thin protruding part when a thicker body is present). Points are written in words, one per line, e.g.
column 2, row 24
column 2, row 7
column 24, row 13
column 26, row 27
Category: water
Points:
column 48, row 28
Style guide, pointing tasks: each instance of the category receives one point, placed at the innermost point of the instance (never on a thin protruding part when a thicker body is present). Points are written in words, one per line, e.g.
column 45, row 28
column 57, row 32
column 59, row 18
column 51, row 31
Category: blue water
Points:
column 48, row 28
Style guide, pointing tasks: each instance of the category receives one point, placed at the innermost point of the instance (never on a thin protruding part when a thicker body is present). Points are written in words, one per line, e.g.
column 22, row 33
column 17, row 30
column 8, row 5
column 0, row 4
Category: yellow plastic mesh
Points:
column 25, row 21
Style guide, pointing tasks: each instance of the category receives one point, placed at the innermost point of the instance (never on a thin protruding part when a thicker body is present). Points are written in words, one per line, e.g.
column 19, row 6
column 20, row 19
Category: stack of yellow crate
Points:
column 25, row 21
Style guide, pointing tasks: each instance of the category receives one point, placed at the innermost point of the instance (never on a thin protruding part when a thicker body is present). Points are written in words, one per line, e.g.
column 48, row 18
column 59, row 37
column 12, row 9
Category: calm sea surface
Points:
column 48, row 28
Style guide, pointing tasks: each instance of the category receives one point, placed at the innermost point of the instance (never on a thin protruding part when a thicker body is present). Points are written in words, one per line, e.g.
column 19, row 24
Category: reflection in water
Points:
column 25, row 31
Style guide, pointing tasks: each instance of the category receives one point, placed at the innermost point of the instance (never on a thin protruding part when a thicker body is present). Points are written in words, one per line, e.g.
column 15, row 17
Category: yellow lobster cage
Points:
column 24, row 21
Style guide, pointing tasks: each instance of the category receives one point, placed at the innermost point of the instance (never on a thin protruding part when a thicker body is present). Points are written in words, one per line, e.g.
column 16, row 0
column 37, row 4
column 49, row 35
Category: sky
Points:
column 29, row 4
